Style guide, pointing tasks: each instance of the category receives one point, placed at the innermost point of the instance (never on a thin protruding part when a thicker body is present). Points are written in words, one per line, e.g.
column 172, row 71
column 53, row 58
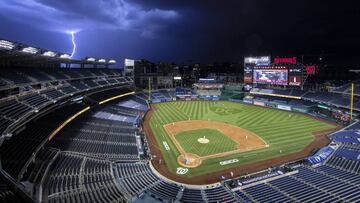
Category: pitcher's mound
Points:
column 203, row 140
column 189, row 160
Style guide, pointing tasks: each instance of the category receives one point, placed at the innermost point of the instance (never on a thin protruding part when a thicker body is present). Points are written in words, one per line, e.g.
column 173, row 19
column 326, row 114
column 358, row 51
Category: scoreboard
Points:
column 276, row 74
column 250, row 63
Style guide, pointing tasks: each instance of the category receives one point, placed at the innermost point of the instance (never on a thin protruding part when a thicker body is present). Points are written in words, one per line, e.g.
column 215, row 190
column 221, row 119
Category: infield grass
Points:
column 284, row 131
column 218, row 142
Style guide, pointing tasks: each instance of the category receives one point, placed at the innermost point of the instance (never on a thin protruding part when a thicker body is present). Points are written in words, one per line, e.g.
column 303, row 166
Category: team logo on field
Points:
column 181, row 171
column 223, row 110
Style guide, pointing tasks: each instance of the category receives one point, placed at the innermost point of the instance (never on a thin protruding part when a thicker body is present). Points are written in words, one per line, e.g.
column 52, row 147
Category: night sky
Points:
column 186, row 30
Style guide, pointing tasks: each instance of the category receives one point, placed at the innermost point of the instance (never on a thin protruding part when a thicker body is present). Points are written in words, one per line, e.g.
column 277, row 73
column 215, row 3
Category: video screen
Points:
column 275, row 77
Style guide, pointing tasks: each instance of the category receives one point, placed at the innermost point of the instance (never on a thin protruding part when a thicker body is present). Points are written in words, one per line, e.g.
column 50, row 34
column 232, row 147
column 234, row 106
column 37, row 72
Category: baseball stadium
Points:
column 102, row 124
column 100, row 135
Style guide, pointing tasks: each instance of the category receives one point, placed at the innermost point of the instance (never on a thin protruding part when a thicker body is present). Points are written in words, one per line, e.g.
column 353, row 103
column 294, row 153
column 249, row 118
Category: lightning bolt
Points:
column 72, row 33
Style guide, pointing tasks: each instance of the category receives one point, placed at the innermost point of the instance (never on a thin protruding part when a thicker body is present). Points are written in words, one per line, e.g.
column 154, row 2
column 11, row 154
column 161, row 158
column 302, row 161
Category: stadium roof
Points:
column 18, row 51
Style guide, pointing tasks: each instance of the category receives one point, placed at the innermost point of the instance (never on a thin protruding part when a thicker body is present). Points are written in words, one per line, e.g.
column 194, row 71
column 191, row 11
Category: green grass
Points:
column 289, row 134
column 218, row 142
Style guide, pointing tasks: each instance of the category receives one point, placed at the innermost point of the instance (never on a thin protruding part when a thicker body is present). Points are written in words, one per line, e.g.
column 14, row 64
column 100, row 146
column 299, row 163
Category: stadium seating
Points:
column 7, row 195
column 4, row 123
column 78, row 85
column 166, row 94
column 52, row 94
column 100, row 96
column 11, row 112
column 192, row 195
column 29, row 140
column 139, row 100
column 22, row 76
column 354, row 126
column 90, row 83
column 337, row 97
column 346, row 136
column 81, row 179
column 160, row 96
column 346, row 88
column 14, row 109
column 165, row 190
column 68, row 89
column 218, row 194
column 97, row 159
column 265, row 193
column 37, row 168
column 135, row 178
column 13, row 77
column 100, row 138
column 35, row 100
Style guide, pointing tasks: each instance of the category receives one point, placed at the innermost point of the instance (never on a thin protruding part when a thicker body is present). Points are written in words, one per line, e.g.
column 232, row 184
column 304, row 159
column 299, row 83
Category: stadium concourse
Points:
column 76, row 135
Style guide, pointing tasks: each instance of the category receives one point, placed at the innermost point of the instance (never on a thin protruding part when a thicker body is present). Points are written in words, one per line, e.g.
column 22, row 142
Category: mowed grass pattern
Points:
column 284, row 131
column 218, row 142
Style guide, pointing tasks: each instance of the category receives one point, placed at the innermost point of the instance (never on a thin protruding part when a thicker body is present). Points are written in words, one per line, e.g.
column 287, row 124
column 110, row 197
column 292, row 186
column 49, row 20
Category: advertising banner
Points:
column 247, row 101
column 259, row 103
column 258, row 60
column 284, row 107
column 301, row 110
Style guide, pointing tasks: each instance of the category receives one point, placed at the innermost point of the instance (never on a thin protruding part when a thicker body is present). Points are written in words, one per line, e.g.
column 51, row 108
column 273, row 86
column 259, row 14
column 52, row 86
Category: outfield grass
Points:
column 218, row 142
column 282, row 130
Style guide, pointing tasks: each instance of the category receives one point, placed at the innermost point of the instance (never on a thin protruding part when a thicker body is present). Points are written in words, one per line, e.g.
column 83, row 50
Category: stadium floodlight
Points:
column 65, row 56
column 101, row 60
column 30, row 50
column 4, row 44
column 49, row 54
column 112, row 61
column 91, row 59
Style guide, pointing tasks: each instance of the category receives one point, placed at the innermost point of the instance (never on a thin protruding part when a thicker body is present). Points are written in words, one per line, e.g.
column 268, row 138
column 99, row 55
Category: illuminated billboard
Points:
column 291, row 60
column 129, row 62
column 271, row 76
column 295, row 76
column 248, row 74
column 295, row 80
column 310, row 69
column 258, row 60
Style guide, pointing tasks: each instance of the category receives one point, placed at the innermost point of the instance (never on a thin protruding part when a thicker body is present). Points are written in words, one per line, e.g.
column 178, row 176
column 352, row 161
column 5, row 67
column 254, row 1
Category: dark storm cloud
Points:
column 202, row 31
column 77, row 15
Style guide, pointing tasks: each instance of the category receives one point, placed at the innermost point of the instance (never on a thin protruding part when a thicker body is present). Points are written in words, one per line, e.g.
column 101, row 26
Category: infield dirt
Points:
column 244, row 139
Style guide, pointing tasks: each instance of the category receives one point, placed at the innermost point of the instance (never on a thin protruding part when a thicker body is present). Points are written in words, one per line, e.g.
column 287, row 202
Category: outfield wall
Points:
column 276, row 105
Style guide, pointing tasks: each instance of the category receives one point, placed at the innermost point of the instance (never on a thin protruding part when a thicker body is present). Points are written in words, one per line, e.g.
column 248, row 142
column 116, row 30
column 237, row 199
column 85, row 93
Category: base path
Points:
column 244, row 139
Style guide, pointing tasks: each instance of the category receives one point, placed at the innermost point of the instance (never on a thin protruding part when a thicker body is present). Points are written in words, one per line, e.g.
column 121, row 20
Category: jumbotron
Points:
column 87, row 131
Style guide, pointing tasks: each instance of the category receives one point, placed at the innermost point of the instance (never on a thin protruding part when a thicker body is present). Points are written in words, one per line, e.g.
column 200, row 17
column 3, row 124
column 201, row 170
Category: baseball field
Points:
column 200, row 137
